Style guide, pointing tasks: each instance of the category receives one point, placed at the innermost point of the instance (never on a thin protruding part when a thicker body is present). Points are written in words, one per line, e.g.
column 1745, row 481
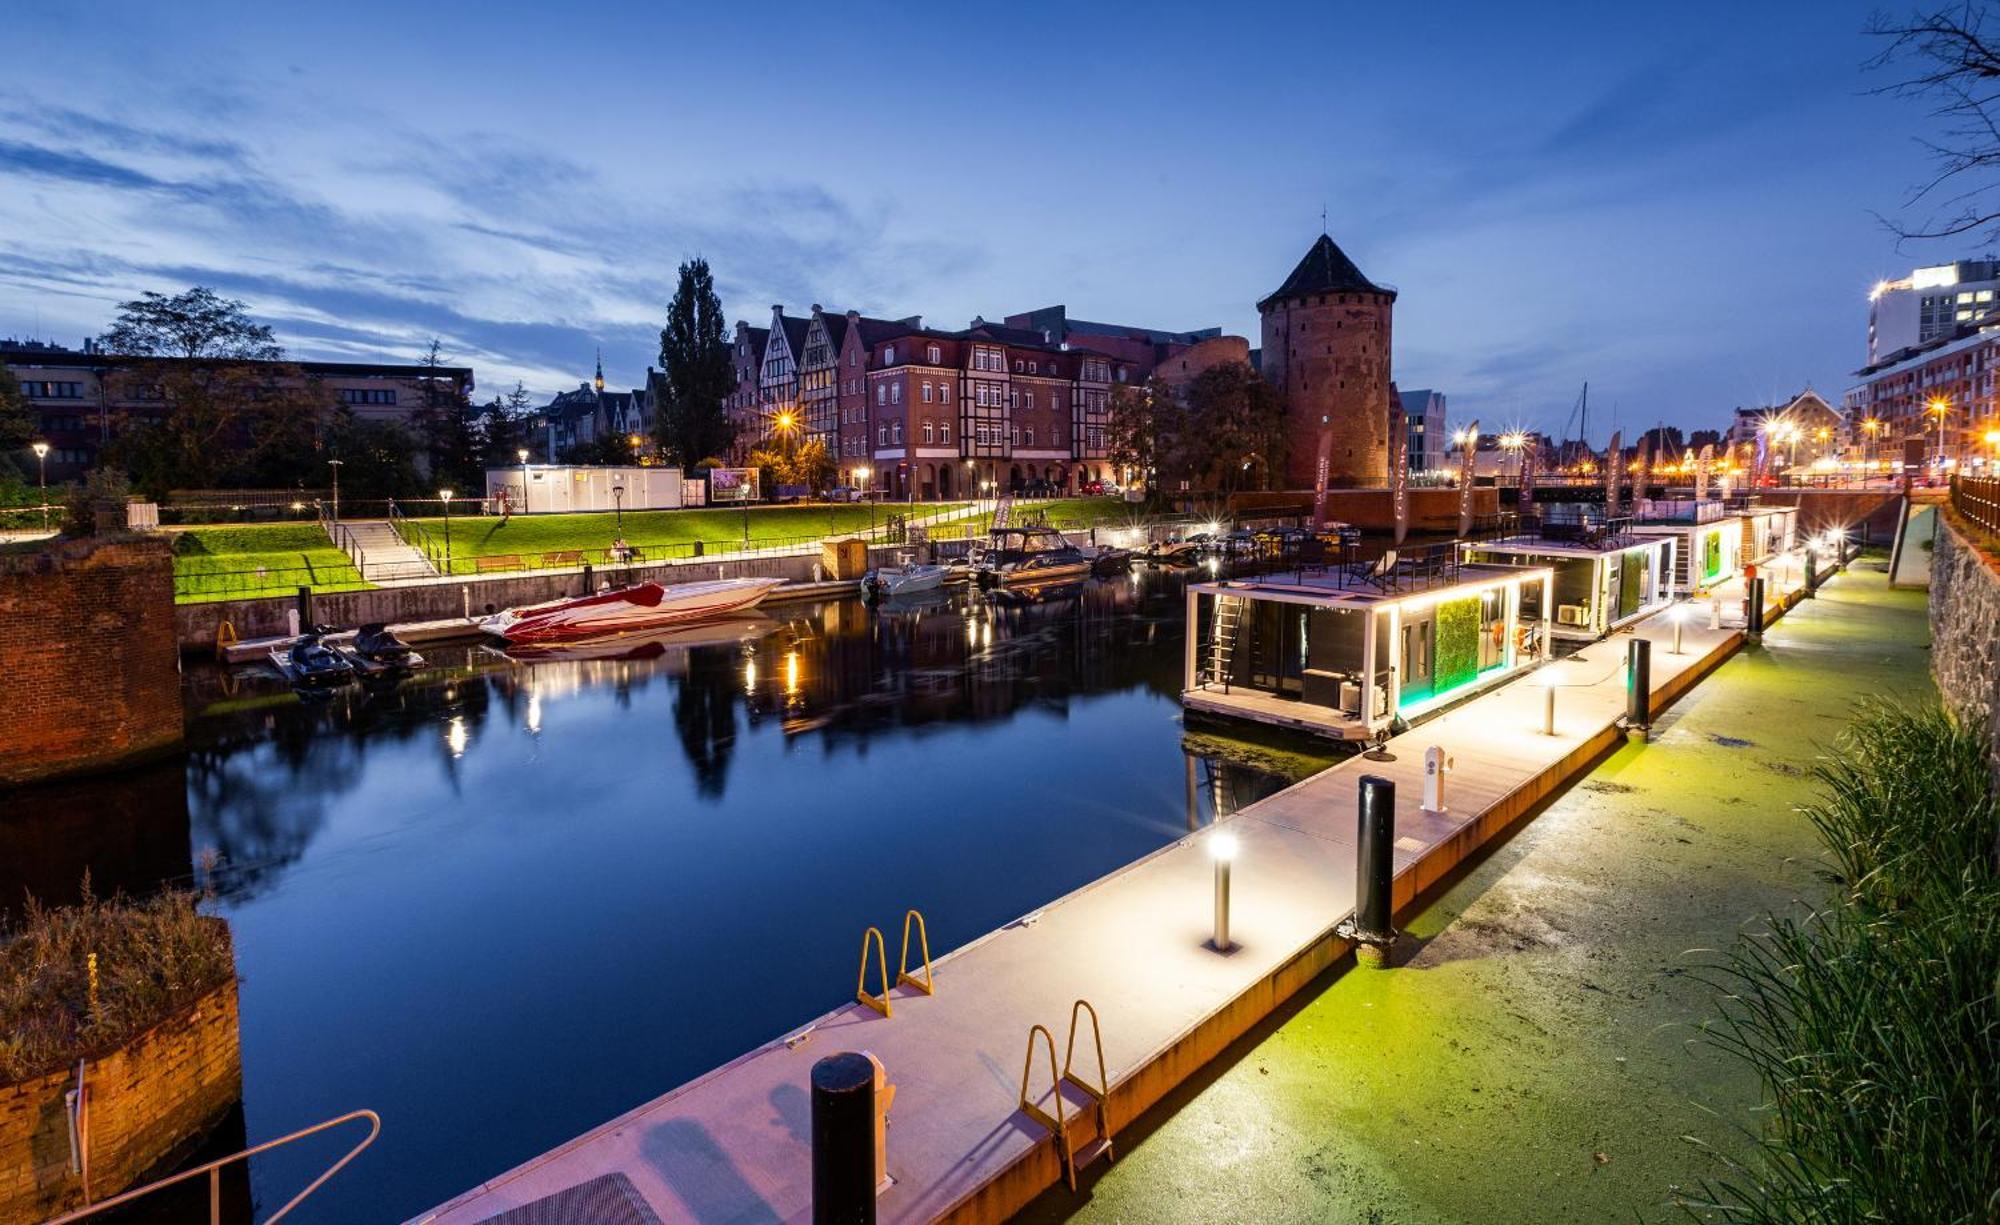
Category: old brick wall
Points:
column 148, row 1102
column 88, row 651
column 1329, row 356
column 1965, row 627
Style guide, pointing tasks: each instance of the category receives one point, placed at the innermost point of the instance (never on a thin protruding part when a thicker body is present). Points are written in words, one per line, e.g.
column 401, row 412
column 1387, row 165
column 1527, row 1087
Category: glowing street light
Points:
column 444, row 496
column 1679, row 616
column 523, row 453
column 1222, row 847
column 1548, row 679
column 42, row 461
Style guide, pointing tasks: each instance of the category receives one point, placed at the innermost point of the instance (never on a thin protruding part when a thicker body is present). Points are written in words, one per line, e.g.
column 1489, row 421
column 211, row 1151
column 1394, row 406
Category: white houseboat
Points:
column 1769, row 532
column 1708, row 539
column 1606, row 574
column 1346, row 650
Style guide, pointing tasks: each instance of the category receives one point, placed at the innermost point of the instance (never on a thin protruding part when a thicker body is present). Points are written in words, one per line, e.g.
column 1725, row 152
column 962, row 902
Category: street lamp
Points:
column 1222, row 847
column 1940, row 409
column 1870, row 428
column 335, row 465
column 523, row 453
column 618, row 502
column 444, row 495
column 42, row 461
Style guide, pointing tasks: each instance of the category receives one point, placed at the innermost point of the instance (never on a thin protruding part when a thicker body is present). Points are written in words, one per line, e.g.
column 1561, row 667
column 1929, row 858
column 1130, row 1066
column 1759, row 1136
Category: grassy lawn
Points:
column 668, row 532
column 238, row 561
column 1073, row 514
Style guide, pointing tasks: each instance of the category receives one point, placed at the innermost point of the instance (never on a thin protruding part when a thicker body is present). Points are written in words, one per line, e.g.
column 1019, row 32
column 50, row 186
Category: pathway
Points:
column 1533, row 1059
column 379, row 553
column 734, row 1144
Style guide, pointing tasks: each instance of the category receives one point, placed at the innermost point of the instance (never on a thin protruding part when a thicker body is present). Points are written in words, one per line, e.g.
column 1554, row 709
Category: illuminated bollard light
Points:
column 1548, row 702
column 845, row 1156
column 1715, row 613
column 1222, row 847
column 1375, row 871
column 1437, row 763
column 1679, row 615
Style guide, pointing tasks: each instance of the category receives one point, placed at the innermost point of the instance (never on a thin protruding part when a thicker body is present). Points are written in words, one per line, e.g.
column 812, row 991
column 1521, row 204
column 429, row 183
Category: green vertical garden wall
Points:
column 1457, row 643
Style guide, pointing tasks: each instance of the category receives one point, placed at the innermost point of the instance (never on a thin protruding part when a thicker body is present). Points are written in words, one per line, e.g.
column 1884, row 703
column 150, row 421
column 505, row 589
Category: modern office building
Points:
column 1929, row 304
column 1424, row 414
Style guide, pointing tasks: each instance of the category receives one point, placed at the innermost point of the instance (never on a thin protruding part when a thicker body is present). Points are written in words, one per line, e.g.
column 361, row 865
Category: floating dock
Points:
column 735, row 1144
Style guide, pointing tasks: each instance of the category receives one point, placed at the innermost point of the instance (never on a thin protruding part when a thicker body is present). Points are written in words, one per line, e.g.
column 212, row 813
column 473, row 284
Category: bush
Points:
column 1875, row 1023
column 153, row 958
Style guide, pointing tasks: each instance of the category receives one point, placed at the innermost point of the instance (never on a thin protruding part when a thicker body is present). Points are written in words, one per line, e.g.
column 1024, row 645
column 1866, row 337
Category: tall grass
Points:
column 1874, row 1023
column 151, row 958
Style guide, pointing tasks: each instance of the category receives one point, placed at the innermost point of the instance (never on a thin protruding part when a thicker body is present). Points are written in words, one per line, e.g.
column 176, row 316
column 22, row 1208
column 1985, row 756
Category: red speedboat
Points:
column 647, row 606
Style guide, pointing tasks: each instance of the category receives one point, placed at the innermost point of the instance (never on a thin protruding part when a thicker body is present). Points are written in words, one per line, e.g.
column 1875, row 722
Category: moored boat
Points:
column 906, row 579
column 644, row 606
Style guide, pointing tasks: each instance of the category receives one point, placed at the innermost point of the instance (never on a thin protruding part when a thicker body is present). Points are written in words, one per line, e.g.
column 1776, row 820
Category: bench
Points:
column 501, row 561
column 565, row 557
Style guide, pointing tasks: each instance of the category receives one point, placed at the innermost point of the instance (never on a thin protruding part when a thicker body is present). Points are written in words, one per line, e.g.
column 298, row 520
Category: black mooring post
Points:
column 1375, row 870
column 1753, row 609
column 305, row 610
column 1639, row 684
column 589, row 586
column 1812, row 571
column 843, row 1140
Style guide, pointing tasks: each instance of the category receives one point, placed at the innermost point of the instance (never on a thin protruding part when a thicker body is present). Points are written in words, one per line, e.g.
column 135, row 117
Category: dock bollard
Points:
column 1639, row 687
column 1812, row 571
column 1437, row 763
column 1715, row 613
column 845, row 1147
column 1375, row 872
column 306, row 608
column 588, row 587
column 1222, row 847
column 1753, row 609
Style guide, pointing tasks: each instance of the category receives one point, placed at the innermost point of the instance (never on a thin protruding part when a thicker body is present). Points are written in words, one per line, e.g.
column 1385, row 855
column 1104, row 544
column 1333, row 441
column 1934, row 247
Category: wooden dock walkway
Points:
column 734, row 1145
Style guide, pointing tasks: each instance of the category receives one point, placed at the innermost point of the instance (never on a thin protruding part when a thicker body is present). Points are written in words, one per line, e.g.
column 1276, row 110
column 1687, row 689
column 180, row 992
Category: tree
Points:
column 697, row 375
column 17, row 424
column 220, row 424
column 809, row 464
column 608, row 449
column 1705, row 438
column 1142, row 429
column 1235, row 432
column 449, row 425
column 504, row 429
column 378, row 458
column 1666, row 440
column 1955, row 66
column 196, row 323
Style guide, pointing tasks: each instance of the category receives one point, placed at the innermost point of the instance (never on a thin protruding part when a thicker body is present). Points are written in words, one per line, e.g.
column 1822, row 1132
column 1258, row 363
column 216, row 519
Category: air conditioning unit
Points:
column 1572, row 614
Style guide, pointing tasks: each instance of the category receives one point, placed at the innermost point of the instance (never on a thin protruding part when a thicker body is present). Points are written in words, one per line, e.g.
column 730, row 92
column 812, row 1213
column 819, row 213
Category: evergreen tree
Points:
column 504, row 428
column 17, row 424
column 450, row 426
column 696, row 371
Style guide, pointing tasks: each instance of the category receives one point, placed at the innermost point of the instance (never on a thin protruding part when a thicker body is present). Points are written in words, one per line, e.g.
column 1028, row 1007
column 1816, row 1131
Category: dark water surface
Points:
column 509, row 900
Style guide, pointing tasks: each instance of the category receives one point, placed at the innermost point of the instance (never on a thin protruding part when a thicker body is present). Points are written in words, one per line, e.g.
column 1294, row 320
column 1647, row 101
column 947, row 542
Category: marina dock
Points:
column 734, row 1144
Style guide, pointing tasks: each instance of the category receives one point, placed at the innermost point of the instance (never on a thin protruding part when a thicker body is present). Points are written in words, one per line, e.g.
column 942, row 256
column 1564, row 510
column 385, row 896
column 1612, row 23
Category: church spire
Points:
column 600, row 372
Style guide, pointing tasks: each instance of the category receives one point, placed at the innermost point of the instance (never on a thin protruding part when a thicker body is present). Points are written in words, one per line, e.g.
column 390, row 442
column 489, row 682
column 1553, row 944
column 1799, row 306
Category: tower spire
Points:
column 600, row 371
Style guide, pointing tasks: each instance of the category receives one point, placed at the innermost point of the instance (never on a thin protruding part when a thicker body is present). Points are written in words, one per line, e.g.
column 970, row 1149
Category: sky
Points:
column 1675, row 203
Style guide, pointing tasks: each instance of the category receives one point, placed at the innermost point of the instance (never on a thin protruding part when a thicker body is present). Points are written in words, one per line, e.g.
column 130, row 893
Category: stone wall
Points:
column 1431, row 510
column 89, row 656
column 149, row 1102
column 1965, row 626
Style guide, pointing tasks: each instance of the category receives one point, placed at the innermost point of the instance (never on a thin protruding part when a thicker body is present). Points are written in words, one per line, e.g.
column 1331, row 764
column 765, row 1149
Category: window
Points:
column 1019, row 365
column 932, row 356
column 895, row 393
column 896, row 432
column 929, row 430
column 367, row 395
column 52, row 391
column 1030, row 397
column 881, row 394
column 944, row 432
column 882, row 434
column 888, row 355
column 944, row 392
column 854, row 359
column 1028, row 433
column 927, row 393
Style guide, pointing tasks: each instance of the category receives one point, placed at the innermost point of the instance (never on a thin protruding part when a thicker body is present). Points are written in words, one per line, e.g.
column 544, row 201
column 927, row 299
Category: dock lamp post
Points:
column 1548, row 702
column 523, row 453
column 335, row 465
column 1679, row 616
column 444, row 496
column 1222, row 847
column 618, row 505
column 42, row 461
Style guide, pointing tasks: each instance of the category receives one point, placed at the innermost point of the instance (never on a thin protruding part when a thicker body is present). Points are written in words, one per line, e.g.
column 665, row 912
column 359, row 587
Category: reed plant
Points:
column 1874, row 1023
column 76, row 981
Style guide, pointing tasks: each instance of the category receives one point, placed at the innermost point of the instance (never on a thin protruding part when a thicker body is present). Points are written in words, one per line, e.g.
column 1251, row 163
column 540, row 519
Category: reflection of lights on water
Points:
column 454, row 736
column 986, row 634
column 791, row 673
column 534, row 712
column 1214, row 566
column 971, row 632
column 750, row 675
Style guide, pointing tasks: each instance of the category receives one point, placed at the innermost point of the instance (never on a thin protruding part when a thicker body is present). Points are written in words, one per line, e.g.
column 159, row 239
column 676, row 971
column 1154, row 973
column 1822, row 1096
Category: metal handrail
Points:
column 213, row 1170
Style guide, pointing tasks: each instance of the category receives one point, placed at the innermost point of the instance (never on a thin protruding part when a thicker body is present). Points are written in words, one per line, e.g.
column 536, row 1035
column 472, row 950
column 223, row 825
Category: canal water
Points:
column 512, row 898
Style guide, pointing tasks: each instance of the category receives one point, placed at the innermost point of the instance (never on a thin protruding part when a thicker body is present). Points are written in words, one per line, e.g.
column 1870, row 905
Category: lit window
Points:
column 931, row 355
column 895, row 393
column 881, row 393
column 928, row 431
column 927, row 393
column 889, row 355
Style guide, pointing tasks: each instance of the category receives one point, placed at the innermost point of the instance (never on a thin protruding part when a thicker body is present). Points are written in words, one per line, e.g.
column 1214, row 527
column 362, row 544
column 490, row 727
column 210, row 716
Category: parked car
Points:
column 1093, row 488
column 1037, row 489
column 843, row 493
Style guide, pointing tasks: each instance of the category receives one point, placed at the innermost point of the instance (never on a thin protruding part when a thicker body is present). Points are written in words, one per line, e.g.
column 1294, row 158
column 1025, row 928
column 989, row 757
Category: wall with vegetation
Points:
column 149, row 1099
column 1457, row 643
column 1965, row 625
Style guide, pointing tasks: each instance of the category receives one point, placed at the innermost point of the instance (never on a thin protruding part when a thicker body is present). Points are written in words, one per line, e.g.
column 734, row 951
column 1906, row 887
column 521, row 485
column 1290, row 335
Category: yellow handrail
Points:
column 1103, row 1085
column 213, row 1170
column 1059, row 1124
column 878, row 1003
column 928, row 986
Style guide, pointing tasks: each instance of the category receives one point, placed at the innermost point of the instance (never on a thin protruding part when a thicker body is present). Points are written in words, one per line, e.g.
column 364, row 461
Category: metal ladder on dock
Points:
column 1222, row 638
column 1092, row 1112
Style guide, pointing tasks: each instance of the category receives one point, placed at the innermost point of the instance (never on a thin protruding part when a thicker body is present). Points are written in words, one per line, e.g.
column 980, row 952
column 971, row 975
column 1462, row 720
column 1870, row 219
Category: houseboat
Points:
column 1769, row 532
column 1708, row 539
column 1346, row 651
column 1606, row 575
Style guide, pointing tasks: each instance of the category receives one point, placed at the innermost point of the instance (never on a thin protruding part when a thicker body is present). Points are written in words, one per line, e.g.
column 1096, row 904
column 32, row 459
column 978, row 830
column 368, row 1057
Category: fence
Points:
column 1978, row 500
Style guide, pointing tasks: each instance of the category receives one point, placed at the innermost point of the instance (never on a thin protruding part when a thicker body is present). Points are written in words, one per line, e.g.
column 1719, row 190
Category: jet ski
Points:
column 377, row 651
column 311, row 664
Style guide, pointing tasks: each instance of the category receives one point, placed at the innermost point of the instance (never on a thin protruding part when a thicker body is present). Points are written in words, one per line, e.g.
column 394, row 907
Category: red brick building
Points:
column 1326, row 350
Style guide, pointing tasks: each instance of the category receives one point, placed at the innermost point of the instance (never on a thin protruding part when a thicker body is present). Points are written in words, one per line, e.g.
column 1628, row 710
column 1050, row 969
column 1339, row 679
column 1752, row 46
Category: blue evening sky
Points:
column 1673, row 202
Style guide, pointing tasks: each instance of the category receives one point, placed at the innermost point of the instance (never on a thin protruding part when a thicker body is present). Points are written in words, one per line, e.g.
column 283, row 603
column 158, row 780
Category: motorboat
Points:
column 311, row 664
column 1030, row 555
column 376, row 651
column 908, row 578
column 644, row 644
column 1109, row 560
column 627, row 610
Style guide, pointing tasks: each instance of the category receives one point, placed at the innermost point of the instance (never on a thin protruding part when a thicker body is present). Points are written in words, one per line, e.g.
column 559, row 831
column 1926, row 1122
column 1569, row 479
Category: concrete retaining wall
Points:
column 1965, row 627
column 1431, row 510
column 1870, row 515
column 149, row 1101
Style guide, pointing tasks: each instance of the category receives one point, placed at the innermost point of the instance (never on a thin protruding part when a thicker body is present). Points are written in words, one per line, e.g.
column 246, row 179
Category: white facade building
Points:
column 1928, row 304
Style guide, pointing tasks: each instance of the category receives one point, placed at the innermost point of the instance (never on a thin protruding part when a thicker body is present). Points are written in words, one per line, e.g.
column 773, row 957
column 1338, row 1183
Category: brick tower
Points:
column 1326, row 350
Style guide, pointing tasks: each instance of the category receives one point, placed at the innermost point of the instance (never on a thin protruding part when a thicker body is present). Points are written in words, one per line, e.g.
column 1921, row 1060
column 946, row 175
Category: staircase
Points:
column 378, row 552
column 1222, row 643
